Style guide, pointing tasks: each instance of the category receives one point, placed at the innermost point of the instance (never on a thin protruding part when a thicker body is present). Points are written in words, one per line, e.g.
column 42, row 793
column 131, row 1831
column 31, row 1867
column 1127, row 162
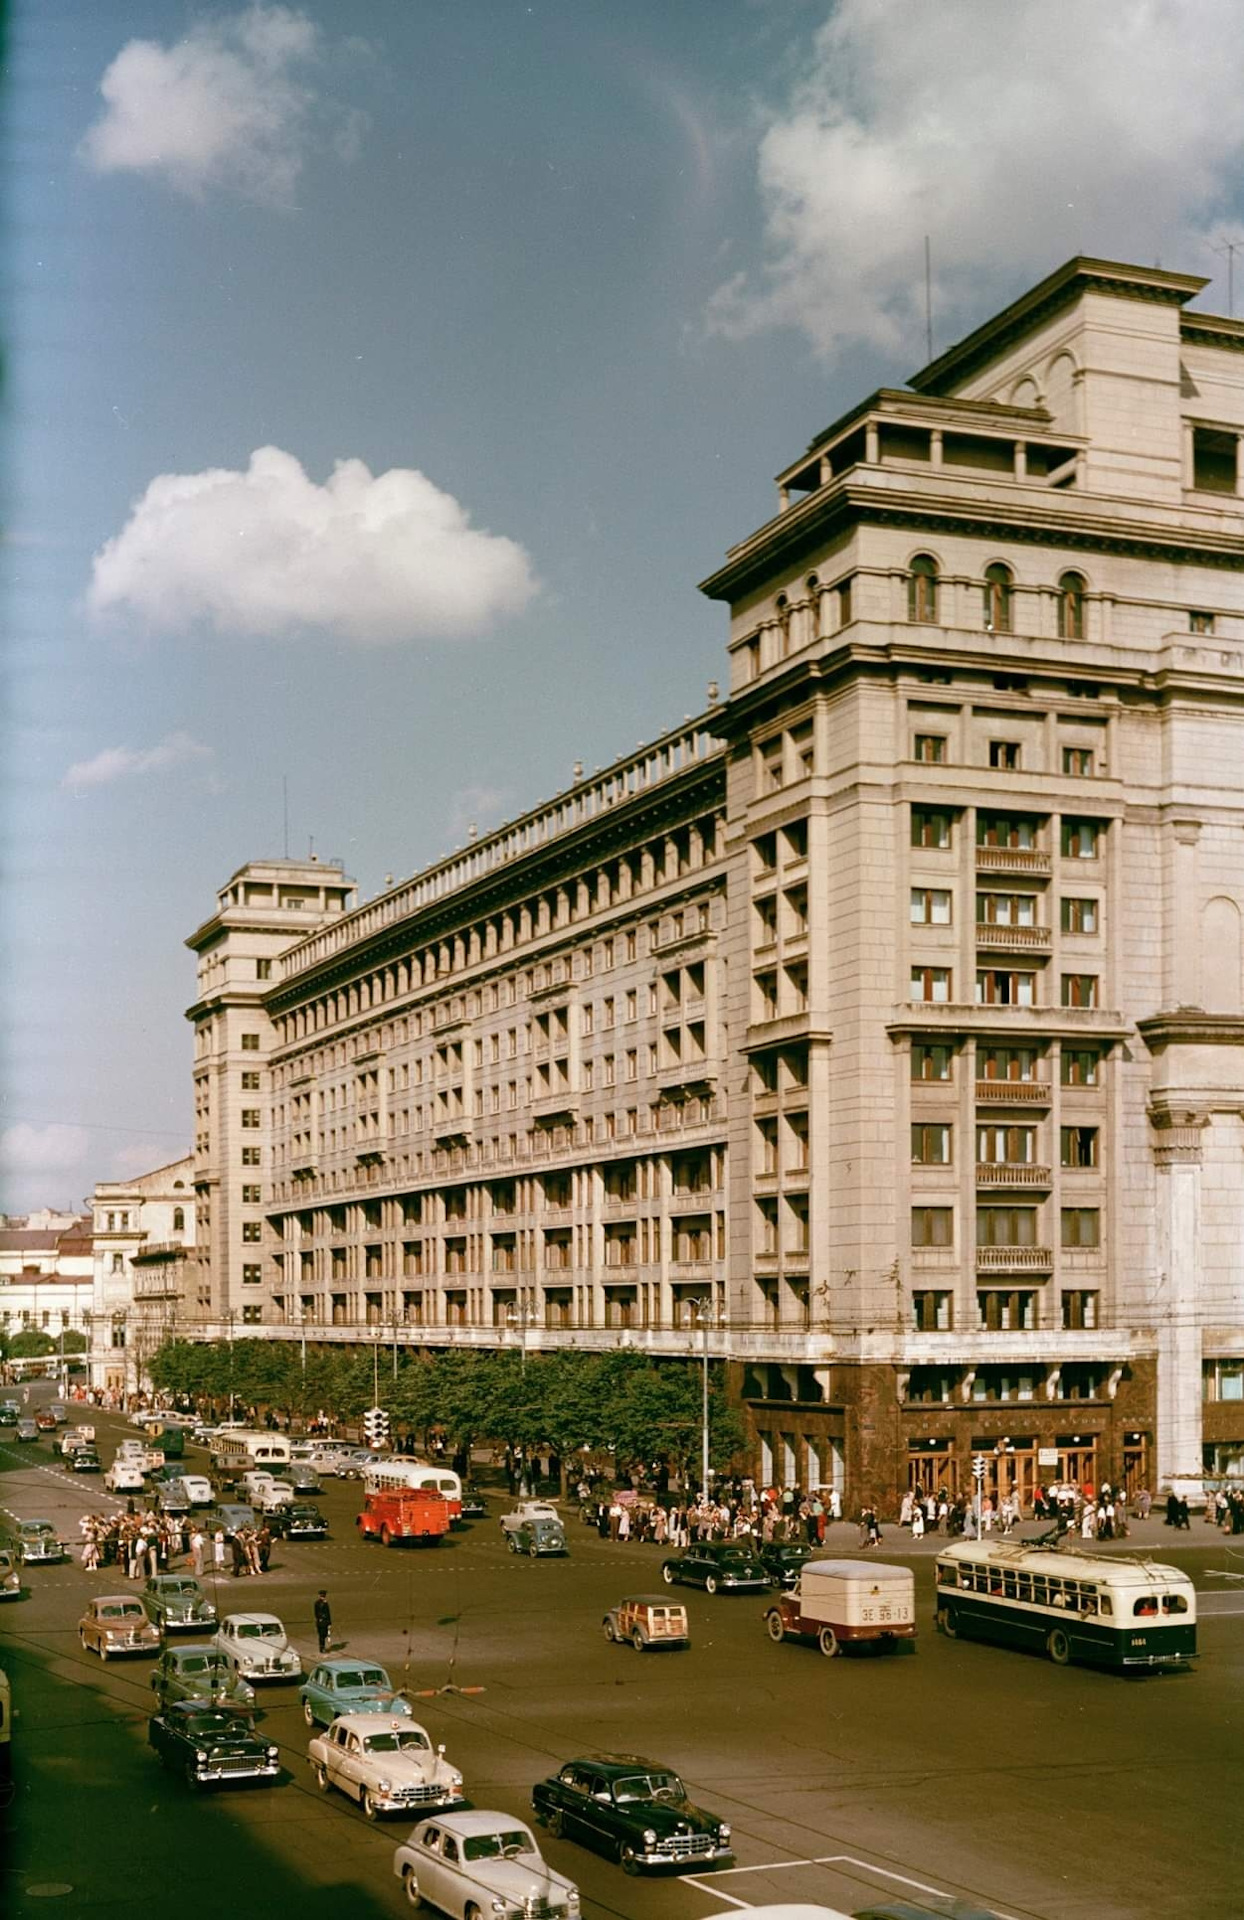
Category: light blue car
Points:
column 349, row 1686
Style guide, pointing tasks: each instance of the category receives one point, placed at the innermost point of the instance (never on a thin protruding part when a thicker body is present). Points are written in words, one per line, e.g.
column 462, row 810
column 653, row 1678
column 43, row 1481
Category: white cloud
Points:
column 42, row 1150
column 124, row 763
column 1014, row 135
column 226, row 107
column 379, row 558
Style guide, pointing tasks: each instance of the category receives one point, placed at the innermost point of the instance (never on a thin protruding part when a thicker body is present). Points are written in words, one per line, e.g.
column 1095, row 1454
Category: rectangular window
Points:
column 1081, row 839
column 250, row 1117
column 930, row 907
column 250, row 1043
column 250, row 1083
column 1000, row 987
column 932, row 1227
column 252, row 1231
column 930, row 1061
column 1078, row 1146
column 252, row 1196
column 771, row 765
column 1081, row 1227
column 844, row 603
column 1081, row 1067
column 1078, row 761
column 1080, row 1309
column 931, row 749
column 632, row 1064
column 1079, row 990
column 1079, row 915
column 930, row 1145
column 250, row 1156
column 931, row 984
column 252, row 1276
column 1004, row 755
column 932, row 1312
column 1006, row 1146
column 263, row 969
column 930, row 827
column 1016, row 832
column 1006, row 909
column 632, row 1005
column 1006, row 1226
column 1200, row 623
column 998, row 1312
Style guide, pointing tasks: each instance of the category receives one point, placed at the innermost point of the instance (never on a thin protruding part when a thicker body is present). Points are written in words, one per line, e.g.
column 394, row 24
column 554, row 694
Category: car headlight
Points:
column 384, row 1786
column 273, row 1753
column 723, row 1834
column 650, row 1838
column 497, row 1906
column 572, row 1904
column 201, row 1757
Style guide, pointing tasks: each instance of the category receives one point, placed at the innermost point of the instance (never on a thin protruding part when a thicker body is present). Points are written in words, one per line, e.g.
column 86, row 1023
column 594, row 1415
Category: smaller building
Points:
column 145, row 1272
column 46, row 1273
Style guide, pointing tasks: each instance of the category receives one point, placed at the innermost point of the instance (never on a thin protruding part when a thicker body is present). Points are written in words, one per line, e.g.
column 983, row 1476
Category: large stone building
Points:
column 885, row 1023
column 146, row 1284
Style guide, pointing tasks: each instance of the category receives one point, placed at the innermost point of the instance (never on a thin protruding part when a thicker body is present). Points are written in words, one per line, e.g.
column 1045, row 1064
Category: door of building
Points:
column 1010, row 1471
column 932, row 1468
column 1077, row 1462
column 1136, row 1462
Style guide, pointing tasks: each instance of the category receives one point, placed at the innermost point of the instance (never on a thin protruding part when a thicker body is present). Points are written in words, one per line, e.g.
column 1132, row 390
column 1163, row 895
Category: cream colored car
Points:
column 388, row 1766
column 117, row 1623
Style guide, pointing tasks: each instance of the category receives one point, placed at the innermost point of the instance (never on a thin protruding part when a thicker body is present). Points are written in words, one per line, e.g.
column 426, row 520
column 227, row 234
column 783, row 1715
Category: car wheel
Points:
column 827, row 1641
column 411, row 1886
column 308, row 1713
column 946, row 1623
column 511, row 1543
column 626, row 1856
column 370, row 1808
column 610, row 1631
column 321, row 1777
column 473, row 1913
column 102, row 1650
column 533, row 1550
column 386, row 1537
column 1058, row 1646
column 667, row 1574
column 192, row 1778
column 710, row 1583
column 638, row 1641
column 555, row 1823
column 775, row 1624
column 85, row 1647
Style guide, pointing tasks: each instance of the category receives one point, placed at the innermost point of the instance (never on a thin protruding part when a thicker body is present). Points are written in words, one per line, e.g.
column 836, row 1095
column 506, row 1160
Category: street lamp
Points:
column 520, row 1314
column 705, row 1316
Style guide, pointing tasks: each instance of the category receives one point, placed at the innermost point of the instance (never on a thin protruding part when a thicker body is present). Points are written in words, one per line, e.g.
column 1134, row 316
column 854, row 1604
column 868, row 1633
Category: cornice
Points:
column 1190, row 1026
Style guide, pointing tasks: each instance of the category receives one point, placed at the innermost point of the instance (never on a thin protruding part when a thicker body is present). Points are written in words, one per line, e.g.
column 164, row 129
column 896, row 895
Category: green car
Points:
column 175, row 1600
column 348, row 1686
column 537, row 1537
column 198, row 1672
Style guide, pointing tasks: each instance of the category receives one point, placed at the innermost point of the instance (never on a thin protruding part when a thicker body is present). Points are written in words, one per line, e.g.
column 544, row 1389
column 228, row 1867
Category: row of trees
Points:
column 643, row 1411
column 31, row 1343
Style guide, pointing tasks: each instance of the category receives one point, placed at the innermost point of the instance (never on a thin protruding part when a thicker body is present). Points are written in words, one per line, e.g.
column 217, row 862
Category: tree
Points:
column 31, row 1344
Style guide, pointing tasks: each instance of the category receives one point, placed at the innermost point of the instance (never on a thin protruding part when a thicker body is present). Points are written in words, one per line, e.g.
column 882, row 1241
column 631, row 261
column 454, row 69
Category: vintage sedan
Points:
column 526, row 1511
column 27, row 1430
column 198, row 1671
column 299, row 1521
column 116, row 1623
column 256, row 1646
column 717, row 1565
column 206, row 1744
column 176, row 1601
column 782, row 1559
column 538, row 1536
column 348, row 1686
column 632, row 1810
column 45, row 1420
column 647, row 1620
column 471, row 1864
column 474, row 1505
column 388, row 1766
column 85, row 1460
column 10, row 1578
column 34, row 1541
column 304, row 1480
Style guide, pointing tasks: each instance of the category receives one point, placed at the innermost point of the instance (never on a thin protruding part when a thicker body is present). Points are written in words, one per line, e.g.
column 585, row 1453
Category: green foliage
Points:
column 31, row 1344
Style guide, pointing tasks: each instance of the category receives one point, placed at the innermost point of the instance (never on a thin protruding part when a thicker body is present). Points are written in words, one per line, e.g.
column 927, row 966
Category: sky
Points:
column 382, row 375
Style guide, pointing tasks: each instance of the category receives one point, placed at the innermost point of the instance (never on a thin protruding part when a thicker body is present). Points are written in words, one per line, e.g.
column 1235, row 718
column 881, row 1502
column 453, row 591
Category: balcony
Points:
column 555, row 1106
column 1013, row 1173
column 1011, row 860
column 1012, row 939
column 1013, row 1093
column 1014, row 1260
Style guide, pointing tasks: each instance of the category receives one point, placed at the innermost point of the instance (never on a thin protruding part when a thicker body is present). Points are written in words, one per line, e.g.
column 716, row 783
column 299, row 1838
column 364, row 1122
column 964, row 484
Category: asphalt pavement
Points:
column 953, row 1770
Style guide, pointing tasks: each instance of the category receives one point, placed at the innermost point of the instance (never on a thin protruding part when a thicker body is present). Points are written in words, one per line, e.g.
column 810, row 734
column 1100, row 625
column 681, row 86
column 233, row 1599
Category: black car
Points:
column 717, row 1564
column 474, row 1505
column 298, row 1521
column 782, row 1559
column 84, row 1460
column 205, row 1743
column 635, row 1811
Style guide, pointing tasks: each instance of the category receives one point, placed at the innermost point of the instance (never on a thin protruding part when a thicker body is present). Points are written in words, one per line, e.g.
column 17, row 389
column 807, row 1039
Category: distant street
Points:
column 956, row 1769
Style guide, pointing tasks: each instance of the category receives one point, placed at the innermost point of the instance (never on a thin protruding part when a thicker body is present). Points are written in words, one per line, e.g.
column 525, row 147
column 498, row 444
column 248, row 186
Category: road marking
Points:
column 819, row 1860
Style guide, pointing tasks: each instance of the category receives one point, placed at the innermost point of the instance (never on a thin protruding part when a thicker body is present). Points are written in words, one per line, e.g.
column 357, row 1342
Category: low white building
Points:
column 46, row 1273
column 144, row 1270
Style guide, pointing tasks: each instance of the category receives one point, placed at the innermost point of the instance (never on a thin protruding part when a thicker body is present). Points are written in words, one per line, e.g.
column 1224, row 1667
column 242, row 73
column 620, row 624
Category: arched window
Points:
column 998, row 585
column 783, row 614
column 179, row 1219
column 922, row 588
column 1071, row 590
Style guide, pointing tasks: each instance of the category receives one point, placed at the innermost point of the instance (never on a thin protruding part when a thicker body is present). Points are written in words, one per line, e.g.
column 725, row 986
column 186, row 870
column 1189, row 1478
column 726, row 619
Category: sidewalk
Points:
column 1151, row 1536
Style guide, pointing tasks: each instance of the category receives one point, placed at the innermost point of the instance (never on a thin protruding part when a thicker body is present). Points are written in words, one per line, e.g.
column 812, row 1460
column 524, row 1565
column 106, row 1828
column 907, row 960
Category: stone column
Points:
column 1177, row 1137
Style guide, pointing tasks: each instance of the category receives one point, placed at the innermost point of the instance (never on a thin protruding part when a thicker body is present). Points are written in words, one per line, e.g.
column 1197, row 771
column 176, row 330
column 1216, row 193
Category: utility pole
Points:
column 1228, row 249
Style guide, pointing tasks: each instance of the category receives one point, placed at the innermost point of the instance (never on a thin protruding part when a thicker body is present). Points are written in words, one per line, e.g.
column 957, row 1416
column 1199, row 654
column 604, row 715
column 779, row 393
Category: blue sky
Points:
column 530, row 302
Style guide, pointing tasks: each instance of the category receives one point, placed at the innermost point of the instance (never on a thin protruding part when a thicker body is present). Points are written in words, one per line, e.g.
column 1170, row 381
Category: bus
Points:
column 1126, row 1613
column 390, row 1472
column 234, row 1448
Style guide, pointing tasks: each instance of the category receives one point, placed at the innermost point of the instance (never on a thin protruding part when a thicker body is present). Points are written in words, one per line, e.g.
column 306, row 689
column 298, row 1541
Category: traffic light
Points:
column 376, row 1427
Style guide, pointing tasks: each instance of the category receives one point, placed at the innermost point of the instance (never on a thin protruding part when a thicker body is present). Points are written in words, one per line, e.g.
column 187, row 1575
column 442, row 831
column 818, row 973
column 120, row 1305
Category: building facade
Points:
column 882, row 1027
column 145, row 1280
column 45, row 1273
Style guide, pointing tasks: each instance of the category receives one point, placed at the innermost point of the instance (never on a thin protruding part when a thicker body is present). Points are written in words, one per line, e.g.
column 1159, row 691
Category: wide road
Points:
column 959, row 1769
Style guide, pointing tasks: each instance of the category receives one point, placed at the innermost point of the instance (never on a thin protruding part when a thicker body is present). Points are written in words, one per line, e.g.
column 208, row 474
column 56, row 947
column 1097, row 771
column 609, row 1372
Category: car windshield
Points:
column 497, row 1846
column 205, row 1725
column 370, row 1677
column 124, row 1610
column 33, row 1528
column 734, row 1557
column 648, row 1786
column 259, row 1630
column 196, row 1663
column 401, row 1740
column 189, row 1587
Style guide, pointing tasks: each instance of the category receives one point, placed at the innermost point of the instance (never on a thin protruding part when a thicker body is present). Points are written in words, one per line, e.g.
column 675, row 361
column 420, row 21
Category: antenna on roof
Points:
column 1229, row 248
column 928, row 298
column 285, row 809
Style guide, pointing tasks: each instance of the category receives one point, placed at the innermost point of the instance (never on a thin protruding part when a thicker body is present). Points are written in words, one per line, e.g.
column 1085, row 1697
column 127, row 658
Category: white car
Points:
column 529, row 1510
column 124, row 1476
column 352, row 1462
column 388, row 1766
column 277, row 1493
column 197, row 1489
column 481, row 1863
column 256, row 1646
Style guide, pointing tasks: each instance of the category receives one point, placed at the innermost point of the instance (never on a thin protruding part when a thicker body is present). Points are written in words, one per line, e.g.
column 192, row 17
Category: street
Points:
column 954, row 1769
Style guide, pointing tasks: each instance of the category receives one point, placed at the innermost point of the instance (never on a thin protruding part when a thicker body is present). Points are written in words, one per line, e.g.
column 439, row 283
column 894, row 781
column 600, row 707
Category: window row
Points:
column 934, row 907
column 1021, row 1066
column 1003, row 1309
column 1003, row 987
column 1006, row 1226
column 997, row 603
column 933, row 827
column 932, row 1145
column 1005, row 756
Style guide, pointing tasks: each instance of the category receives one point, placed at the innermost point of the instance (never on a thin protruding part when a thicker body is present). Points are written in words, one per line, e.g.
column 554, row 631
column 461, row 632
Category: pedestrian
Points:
column 323, row 1620
column 197, row 1544
column 218, row 1550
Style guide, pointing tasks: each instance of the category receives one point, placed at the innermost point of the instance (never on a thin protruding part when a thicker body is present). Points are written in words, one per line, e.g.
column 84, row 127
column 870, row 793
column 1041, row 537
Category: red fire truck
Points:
column 404, row 1513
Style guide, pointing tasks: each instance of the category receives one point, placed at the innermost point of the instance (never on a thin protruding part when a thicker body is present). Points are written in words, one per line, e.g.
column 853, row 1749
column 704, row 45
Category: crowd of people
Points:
column 145, row 1544
column 737, row 1511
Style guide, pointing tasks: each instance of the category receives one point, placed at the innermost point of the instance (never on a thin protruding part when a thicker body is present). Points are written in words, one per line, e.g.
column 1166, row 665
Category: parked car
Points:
column 175, row 1600
column 300, row 1521
column 537, row 1537
column 529, row 1510
column 256, row 1646
column 387, row 1766
column 635, row 1811
column 116, row 1623
column 349, row 1686
column 208, row 1743
column 648, row 1621
column 482, row 1863
column 10, row 1578
column 34, row 1541
column 198, row 1671
column 85, row 1460
column 782, row 1559
column 717, row 1565
column 27, row 1430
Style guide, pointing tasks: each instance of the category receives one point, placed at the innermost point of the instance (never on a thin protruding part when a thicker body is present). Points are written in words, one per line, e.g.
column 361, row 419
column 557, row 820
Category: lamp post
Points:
column 230, row 1317
column 519, row 1315
column 705, row 1317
